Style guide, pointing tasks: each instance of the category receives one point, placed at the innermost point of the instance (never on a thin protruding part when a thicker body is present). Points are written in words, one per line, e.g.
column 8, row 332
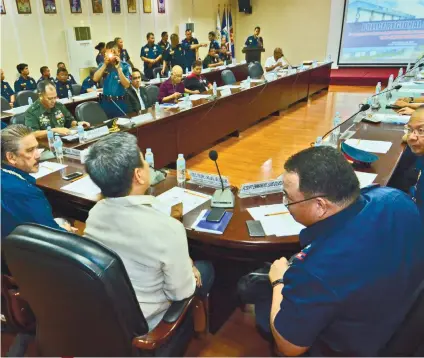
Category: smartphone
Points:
column 393, row 106
column 72, row 176
column 255, row 228
column 215, row 215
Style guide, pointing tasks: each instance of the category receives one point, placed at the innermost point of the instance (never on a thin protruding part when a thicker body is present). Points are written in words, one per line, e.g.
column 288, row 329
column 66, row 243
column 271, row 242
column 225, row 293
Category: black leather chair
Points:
column 4, row 104
column 152, row 93
column 22, row 97
column 76, row 89
column 90, row 112
column 408, row 340
column 228, row 77
column 18, row 119
column 83, row 301
column 255, row 70
column 158, row 70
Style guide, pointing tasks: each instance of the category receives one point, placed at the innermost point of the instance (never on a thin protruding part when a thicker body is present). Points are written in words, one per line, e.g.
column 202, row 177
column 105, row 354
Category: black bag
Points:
column 255, row 286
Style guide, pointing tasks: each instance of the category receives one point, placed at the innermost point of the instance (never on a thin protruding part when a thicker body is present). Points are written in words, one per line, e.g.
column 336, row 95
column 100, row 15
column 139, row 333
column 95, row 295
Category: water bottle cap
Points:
column 337, row 113
column 181, row 156
column 49, row 128
column 148, row 150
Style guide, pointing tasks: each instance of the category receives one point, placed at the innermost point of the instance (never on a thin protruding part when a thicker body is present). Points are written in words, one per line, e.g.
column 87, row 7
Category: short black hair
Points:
column 164, row 33
column 100, row 46
column 60, row 63
column 197, row 63
column 59, row 70
column 136, row 70
column 149, row 34
column 41, row 86
column 257, row 28
column 324, row 171
column 21, row 67
column 211, row 33
column 187, row 30
column 111, row 44
column 42, row 69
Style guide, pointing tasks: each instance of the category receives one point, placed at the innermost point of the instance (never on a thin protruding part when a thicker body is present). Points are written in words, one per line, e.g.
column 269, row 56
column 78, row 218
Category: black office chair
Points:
column 90, row 112
column 152, row 93
column 22, row 97
column 159, row 70
column 83, row 301
column 4, row 104
column 76, row 89
column 228, row 77
column 408, row 340
column 255, row 70
column 18, row 119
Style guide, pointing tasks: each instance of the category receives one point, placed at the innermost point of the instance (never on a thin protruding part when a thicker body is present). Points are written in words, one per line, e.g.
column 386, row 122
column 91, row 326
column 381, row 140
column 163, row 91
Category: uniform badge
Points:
column 301, row 255
column 250, row 40
column 146, row 50
column 5, row 86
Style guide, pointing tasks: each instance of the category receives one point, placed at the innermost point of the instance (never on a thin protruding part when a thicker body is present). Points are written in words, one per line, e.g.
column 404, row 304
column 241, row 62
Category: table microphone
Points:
column 222, row 198
column 397, row 87
column 126, row 115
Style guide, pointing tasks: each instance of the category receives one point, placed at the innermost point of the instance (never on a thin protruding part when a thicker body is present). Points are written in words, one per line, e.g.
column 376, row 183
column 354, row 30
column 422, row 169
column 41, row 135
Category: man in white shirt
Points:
column 136, row 97
column 152, row 245
column 274, row 63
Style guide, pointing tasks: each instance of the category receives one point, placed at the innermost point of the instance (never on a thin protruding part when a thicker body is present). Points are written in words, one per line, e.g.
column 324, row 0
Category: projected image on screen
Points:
column 378, row 32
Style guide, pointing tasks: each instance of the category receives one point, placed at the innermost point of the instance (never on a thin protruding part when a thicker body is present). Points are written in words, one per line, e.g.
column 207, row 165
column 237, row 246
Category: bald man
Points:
column 415, row 137
column 173, row 88
column 275, row 62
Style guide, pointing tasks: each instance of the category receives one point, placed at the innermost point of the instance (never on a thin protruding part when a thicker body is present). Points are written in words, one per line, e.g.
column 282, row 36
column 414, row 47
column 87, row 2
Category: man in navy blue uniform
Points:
column 70, row 77
column 163, row 43
column 151, row 55
column 191, row 47
column 255, row 40
column 362, row 260
column 63, row 84
column 45, row 74
column 123, row 53
column 88, row 85
column 415, row 137
column 212, row 41
column 174, row 56
column 6, row 90
column 24, row 82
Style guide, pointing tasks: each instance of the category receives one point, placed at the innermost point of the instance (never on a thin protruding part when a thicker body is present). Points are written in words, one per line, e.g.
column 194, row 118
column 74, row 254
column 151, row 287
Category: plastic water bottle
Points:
column 94, row 88
column 400, row 74
column 376, row 98
column 81, row 133
column 318, row 142
column 249, row 81
column 58, row 146
column 329, row 58
column 187, row 71
column 215, row 89
column 150, row 158
column 408, row 68
column 336, row 132
column 390, row 82
column 181, row 169
column 50, row 138
column 188, row 103
column 70, row 95
column 158, row 110
column 158, row 76
column 29, row 101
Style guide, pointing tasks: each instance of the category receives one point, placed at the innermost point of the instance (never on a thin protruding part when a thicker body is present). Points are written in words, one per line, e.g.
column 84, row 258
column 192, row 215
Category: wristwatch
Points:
column 277, row 282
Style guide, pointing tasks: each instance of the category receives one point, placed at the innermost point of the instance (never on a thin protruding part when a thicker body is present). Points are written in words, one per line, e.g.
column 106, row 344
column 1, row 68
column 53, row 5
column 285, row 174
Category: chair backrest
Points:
column 4, row 104
column 22, row 97
column 409, row 336
column 90, row 112
column 79, row 291
column 76, row 89
column 152, row 93
column 18, row 119
column 255, row 70
column 228, row 77
column 156, row 71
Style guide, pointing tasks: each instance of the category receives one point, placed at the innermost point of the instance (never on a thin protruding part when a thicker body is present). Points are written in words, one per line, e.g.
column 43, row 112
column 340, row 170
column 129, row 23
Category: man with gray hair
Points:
column 21, row 200
column 152, row 245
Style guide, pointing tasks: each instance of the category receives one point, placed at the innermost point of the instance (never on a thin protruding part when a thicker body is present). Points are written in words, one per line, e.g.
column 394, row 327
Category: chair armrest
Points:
column 170, row 322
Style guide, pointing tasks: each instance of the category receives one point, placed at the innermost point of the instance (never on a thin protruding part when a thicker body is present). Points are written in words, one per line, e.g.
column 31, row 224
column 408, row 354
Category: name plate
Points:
column 71, row 153
column 142, row 118
column 261, row 188
column 209, row 180
column 225, row 92
column 97, row 133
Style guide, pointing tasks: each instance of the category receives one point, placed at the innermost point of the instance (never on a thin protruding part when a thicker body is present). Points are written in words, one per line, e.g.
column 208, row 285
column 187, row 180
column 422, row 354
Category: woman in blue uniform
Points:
column 101, row 47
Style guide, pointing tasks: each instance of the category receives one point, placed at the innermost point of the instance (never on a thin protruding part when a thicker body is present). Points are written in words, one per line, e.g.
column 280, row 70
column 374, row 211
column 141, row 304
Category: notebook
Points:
column 211, row 227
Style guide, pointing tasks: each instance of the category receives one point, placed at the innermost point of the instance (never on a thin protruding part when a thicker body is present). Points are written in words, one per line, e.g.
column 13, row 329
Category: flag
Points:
column 224, row 29
column 231, row 41
column 218, row 26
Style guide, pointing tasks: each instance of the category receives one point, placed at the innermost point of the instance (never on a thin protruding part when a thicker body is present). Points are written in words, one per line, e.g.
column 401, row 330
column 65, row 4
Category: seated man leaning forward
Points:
column 173, row 88
column 152, row 245
column 47, row 111
column 362, row 261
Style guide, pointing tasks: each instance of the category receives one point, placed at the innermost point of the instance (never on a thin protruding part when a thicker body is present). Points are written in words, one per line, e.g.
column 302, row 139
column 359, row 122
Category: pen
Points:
column 280, row 213
column 195, row 194
column 78, row 178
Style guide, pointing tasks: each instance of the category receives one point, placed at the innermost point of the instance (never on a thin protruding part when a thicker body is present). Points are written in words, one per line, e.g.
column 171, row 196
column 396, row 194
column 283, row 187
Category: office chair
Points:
column 90, row 112
column 255, row 70
column 18, row 119
column 22, row 97
column 152, row 93
column 228, row 77
column 83, row 301
column 76, row 89
column 4, row 104
column 159, row 70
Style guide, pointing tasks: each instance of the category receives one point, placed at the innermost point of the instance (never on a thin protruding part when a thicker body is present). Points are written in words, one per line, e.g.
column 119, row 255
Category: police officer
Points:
column 88, row 85
column 6, row 90
column 70, row 77
column 191, row 46
column 24, row 82
column 123, row 53
column 45, row 74
column 151, row 55
column 212, row 41
column 225, row 55
column 255, row 40
column 163, row 43
column 115, row 83
column 63, row 84
column 212, row 59
column 174, row 56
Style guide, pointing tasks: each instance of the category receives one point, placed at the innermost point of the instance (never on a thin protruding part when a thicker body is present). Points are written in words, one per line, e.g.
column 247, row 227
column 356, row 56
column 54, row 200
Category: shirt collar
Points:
column 23, row 174
column 332, row 224
column 136, row 200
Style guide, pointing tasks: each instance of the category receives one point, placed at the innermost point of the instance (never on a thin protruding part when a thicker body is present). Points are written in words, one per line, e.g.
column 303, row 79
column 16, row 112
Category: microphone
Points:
column 362, row 109
column 120, row 109
column 222, row 198
column 397, row 87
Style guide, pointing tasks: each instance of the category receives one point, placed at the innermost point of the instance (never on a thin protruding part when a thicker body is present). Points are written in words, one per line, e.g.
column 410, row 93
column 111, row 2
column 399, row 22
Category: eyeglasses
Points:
column 418, row 132
column 286, row 199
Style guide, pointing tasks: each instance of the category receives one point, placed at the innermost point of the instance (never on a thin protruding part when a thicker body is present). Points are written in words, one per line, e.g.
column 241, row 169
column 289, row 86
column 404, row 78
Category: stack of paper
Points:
column 276, row 220
column 17, row 110
column 84, row 186
column 47, row 168
column 373, row 146
column 195, row 97
column 365, row 179
column 190, row 199
column 228, row 86
column 391, row 118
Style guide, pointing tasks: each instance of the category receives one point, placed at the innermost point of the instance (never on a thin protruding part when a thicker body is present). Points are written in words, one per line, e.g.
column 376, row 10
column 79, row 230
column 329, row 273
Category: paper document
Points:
column 228, row 86
column 373, row 146
column 365, row 179
column 190, row 199
column 47, row 168
column 391, row 118
column 256, row 81
column 84, row 186
column 64, row 100
column 17, row 110
column 195, row 97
